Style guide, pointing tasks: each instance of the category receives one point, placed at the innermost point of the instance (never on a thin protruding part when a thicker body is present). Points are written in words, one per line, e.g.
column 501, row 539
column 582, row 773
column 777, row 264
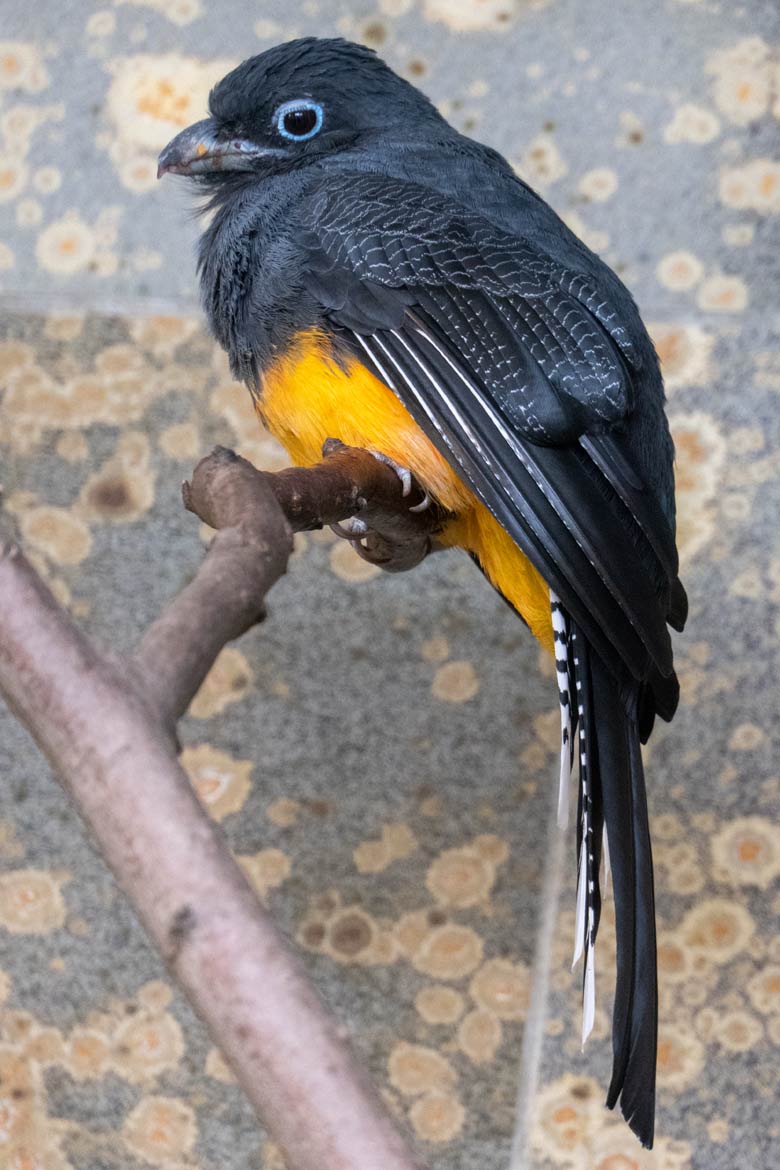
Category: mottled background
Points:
column 381, row 753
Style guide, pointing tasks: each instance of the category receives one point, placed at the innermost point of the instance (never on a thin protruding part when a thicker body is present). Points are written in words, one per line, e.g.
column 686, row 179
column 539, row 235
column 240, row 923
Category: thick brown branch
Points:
column 107, row 728
column 246, row 557
column 255, row 513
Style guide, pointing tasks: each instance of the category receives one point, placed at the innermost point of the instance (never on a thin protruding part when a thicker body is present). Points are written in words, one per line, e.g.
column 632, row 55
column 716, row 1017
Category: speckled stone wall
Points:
column 381, row 752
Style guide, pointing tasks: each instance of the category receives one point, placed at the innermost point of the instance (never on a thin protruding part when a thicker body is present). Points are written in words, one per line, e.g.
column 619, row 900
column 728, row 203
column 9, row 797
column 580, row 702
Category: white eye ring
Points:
column 299, row 106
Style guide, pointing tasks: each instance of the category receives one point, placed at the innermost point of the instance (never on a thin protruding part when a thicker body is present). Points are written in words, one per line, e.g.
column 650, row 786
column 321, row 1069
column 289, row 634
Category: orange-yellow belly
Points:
column 307, row 397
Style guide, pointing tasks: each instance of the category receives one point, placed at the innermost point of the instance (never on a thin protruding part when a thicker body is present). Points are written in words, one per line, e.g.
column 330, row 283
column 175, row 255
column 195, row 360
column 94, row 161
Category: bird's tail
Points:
column 612, row 794
column 635, row 1016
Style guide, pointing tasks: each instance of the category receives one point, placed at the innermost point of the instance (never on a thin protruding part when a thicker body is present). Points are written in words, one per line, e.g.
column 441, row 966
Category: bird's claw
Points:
column 351, row 529
column 405, row 476
column 403, row 473
column 424, row 503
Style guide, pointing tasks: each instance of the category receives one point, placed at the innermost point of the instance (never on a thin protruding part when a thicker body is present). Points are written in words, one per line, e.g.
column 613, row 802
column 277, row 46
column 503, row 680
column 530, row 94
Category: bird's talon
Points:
column 424, row 503
column 352, row 529
column 403, row 473
column 368, row 554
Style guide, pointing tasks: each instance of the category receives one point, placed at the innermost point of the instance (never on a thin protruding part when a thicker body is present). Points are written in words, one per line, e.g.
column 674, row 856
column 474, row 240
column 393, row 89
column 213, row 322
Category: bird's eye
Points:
column 299, row 119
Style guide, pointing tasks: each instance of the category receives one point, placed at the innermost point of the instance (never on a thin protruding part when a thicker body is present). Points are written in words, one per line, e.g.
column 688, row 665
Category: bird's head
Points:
column 293, row 104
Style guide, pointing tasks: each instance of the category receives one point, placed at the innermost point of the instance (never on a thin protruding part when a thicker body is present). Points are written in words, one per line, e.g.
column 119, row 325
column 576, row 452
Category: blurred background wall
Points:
column 381, row 753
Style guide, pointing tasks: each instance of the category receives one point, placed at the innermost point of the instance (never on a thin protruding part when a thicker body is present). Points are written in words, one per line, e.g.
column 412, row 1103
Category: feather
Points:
column 541, row 485
column 561, row 645
column 616, row 764
column 605, row 452
column 581, row 909
column 589, row 995
column 589, row 829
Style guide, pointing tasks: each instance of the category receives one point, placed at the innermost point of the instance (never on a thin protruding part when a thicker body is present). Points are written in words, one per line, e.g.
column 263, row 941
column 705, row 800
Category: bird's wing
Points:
column 524, row 378
column 522, row 375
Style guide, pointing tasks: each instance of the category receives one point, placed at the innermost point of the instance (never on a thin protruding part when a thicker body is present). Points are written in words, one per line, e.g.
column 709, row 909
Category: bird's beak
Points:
column 203, row 148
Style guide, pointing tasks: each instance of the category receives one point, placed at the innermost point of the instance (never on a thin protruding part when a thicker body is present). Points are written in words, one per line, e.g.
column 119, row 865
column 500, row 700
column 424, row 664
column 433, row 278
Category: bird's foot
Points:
column 409, row 541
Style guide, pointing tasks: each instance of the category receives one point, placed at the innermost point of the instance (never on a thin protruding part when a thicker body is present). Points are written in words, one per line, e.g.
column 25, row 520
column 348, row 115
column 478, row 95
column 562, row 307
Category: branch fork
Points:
column 108, row 728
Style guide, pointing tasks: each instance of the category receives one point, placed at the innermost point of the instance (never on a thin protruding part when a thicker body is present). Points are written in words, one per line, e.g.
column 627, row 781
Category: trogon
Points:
column 377, row 277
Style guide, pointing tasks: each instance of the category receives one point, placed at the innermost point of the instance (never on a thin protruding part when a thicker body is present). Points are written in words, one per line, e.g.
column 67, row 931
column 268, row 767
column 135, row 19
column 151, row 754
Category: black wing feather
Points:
column 494, row 466
column 564, row 500
column 606, row 453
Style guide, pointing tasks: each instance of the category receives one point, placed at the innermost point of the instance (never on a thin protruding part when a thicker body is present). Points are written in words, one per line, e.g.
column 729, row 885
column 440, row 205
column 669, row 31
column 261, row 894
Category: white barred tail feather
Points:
column 572, row 717
column 588, row 836
column 560, row 624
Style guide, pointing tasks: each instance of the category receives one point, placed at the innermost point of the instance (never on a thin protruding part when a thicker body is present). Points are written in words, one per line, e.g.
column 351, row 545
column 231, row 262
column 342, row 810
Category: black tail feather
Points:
column 616, row 773
column 678, row 609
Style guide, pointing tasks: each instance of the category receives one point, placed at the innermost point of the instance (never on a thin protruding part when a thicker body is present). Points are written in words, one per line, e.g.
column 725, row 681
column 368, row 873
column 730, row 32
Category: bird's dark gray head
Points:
column 294, row 103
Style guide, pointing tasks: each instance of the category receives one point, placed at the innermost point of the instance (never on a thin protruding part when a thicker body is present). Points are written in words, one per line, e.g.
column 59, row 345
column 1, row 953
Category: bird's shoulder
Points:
column 459, row 214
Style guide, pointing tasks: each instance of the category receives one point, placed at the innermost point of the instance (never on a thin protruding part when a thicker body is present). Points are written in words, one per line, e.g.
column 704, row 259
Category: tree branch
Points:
column 107, row 726
column 250, row 551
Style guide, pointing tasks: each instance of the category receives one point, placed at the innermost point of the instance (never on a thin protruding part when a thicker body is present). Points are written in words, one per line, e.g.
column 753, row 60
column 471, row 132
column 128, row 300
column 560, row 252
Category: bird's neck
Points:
column 239, row 281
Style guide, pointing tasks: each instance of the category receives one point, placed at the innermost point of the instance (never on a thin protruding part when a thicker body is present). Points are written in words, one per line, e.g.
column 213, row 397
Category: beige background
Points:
column 381, row 753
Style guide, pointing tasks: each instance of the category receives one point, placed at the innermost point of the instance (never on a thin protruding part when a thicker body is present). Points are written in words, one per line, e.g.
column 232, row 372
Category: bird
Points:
column 374, row 275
